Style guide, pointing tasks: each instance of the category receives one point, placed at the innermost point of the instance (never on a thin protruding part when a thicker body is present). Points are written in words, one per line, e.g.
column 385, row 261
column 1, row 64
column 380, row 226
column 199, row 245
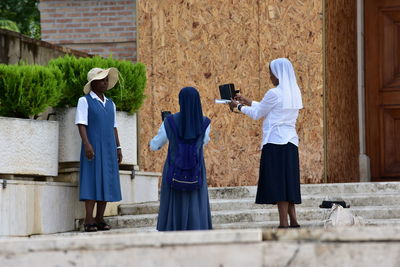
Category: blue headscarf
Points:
column 190, row 120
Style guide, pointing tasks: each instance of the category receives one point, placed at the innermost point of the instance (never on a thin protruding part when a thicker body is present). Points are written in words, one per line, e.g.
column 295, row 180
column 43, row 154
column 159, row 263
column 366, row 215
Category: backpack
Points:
column 185, row 169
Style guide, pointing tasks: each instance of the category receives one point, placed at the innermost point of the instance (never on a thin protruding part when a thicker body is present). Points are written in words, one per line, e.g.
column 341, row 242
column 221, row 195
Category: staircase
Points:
column 233, row 207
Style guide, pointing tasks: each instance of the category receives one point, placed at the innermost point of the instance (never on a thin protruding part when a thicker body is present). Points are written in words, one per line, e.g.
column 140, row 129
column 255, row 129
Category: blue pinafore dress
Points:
column 183, row 210
column 99, row 177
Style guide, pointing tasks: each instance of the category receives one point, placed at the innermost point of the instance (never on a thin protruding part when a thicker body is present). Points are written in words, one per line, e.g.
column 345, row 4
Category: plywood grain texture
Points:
column 207, row 43
column 293, row 29
column 341, row 80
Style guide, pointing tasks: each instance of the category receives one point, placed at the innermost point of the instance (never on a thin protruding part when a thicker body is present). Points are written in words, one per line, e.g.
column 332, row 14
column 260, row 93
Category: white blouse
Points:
column 161, row 138
column 279, row 125
column 81, row 116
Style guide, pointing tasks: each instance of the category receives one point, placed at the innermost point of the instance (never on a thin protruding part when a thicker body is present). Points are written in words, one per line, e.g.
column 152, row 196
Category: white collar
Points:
column 94, row 96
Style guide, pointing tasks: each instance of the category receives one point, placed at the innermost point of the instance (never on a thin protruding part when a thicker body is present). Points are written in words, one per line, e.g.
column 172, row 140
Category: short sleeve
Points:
column 207, row 135
column 81, row 116
column 115, row 115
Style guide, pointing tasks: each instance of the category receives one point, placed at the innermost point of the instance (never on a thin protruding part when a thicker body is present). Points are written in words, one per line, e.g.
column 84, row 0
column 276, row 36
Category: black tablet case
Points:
column 227, row 91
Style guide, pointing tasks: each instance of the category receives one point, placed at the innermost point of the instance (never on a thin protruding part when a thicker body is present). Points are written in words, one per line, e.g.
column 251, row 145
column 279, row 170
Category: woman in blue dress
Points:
column 184, row 209
column 101, row 151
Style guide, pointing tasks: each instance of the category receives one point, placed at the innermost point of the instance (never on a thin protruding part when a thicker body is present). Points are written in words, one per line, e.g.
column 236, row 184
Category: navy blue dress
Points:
column 183, row 210
column 99, row 177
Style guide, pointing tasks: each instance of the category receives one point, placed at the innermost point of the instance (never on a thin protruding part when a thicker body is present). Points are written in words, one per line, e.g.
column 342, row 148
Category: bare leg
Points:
column 101, row 224
column 101, row 207
column 292, row 215
column 89, row 206
column 283, row 213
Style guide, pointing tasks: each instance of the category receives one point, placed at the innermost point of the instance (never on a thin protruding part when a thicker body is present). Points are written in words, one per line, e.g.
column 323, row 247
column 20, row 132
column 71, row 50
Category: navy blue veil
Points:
column 190, row 117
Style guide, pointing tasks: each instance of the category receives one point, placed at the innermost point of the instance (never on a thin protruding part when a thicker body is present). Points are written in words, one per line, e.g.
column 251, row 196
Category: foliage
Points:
column 128, row 94
column 9, row 25
column 24, row 13
column 27, row 90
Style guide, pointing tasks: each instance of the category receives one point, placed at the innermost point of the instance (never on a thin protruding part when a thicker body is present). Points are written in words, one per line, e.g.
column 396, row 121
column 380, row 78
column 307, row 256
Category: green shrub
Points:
column 9, row 25
column 128, row 94
column 27, row 90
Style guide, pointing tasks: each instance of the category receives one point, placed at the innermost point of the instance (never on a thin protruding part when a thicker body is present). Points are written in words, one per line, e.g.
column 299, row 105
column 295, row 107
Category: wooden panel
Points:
column 341, row 99
column 382, row 41
column 293, row 29
column 213, row 42
column 391, row 142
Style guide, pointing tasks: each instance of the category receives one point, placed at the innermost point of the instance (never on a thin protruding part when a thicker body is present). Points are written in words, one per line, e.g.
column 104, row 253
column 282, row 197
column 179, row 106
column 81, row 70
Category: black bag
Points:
column 327, row 204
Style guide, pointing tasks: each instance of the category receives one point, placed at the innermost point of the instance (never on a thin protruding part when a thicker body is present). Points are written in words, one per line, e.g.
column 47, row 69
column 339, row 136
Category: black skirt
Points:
column 279, row 174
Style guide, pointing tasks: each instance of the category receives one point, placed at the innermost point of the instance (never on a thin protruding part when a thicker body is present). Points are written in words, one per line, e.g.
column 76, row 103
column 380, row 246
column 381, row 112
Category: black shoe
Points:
column 283, row 227
column 103, row 226
column 295, row 226
column 90, row 227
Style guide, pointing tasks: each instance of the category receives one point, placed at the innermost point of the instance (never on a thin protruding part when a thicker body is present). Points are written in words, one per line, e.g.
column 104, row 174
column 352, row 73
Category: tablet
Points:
column 227, row 91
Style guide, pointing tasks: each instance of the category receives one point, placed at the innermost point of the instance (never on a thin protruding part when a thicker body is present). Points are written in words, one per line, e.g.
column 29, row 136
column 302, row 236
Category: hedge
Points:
column 27, row 90
column 128, row 94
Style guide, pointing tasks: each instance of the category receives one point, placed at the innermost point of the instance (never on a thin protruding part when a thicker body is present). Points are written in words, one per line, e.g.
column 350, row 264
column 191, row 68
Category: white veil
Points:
column 283, row 70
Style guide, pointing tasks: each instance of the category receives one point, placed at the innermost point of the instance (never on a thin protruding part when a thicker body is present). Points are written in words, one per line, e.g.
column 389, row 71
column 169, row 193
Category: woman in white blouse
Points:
column 279, row 181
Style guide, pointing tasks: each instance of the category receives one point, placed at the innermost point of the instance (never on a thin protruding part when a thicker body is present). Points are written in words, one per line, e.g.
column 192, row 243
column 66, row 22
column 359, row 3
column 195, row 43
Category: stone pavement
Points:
column 349, row 246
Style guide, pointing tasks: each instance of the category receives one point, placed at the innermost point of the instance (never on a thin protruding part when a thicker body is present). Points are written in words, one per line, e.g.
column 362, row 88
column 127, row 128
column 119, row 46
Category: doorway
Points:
column 382, row 87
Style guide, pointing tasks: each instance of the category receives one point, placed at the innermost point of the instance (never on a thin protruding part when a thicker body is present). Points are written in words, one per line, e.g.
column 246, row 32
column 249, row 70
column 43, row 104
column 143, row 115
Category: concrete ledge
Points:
column 353, row 246
column 341, row 234
column 127, row 240
column 32, row 207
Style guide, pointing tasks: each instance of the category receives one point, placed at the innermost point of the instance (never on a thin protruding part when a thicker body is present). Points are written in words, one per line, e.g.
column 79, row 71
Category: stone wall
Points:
column 15, row 47
column 97, row 27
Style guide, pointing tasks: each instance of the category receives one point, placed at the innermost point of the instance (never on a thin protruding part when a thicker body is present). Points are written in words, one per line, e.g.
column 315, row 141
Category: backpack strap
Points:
column 172, row 124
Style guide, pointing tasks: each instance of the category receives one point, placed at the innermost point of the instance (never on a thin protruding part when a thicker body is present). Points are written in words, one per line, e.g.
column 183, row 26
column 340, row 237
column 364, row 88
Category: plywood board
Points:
column 193, row 43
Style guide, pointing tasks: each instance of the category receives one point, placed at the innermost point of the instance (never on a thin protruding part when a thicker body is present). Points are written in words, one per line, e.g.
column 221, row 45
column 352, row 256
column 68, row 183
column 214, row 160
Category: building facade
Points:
column 345, row 53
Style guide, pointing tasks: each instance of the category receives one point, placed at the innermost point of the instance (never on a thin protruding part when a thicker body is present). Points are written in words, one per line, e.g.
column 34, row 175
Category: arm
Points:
column 261, row 109
column 81, row 120
column 85, row 140
column 207, row 135
column 119, row 152
column 160, row 139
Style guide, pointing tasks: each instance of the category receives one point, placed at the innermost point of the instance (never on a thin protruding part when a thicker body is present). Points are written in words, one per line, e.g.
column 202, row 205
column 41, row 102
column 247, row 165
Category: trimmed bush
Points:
column 9, row 25
column 128, row 94
column 27, row 90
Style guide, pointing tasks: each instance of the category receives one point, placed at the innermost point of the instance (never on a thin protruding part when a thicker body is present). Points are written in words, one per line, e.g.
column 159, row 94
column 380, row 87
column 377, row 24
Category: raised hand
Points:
column 243, row 100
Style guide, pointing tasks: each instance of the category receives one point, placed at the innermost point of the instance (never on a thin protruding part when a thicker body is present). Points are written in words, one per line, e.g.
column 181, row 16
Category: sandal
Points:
column 103, row 226
column 90, row 227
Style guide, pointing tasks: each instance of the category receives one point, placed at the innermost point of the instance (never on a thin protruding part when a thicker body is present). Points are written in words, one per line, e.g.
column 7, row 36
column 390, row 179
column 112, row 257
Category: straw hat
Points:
column 99, row 74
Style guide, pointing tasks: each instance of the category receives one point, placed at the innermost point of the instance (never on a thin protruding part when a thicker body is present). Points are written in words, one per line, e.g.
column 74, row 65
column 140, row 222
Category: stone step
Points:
column 238, row 225
column 304, row 214
column 248, row 203
column 274, row 224
column 310, row 189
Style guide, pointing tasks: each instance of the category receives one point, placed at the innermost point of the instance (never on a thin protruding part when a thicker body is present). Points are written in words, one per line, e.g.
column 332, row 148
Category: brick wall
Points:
column 101, row 27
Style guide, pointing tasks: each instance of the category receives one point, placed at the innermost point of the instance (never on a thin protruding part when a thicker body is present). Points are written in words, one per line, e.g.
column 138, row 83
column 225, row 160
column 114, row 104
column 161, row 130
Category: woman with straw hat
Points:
column 101, row 151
